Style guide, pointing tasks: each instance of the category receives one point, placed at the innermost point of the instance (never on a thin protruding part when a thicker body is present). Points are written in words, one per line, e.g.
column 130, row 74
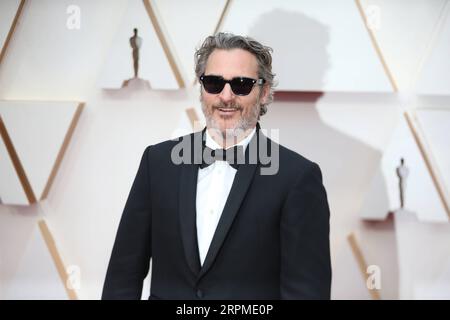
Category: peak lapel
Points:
column 187, row 206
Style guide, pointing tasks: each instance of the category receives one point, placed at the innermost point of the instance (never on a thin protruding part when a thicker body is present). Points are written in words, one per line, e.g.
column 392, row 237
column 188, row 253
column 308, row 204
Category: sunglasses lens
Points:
column 242, row 86
column 213, row 84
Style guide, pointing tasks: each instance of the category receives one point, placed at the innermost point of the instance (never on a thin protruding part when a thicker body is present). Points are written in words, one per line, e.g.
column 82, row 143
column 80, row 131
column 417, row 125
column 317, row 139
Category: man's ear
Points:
column 265, row 90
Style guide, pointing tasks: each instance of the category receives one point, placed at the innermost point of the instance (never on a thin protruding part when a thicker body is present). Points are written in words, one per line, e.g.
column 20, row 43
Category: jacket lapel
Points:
column 187, row 207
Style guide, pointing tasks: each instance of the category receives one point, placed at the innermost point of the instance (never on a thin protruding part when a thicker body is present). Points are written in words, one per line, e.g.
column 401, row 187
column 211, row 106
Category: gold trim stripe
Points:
column 62, row 150
column 222, row 16
column 16, row 163
column 192, row 115
column 377, row 48
column 426, row 155
column 361, row 263
column 11, row 30
column 218, row 25
column 51, row 245
column 164, row 44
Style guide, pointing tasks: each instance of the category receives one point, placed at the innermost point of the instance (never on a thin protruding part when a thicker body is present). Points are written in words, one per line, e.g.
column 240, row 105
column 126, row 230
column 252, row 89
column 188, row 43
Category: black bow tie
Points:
column 234, row 156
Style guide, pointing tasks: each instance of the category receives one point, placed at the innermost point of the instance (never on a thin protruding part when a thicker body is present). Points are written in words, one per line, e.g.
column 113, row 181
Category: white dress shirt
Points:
column 213, row 186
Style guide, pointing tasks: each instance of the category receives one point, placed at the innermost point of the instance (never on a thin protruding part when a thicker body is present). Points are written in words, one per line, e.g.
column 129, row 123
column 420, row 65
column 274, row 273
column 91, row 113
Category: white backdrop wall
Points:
column 345, row 132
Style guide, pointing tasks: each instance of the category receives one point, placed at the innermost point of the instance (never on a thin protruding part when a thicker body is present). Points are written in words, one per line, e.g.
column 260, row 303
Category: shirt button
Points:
column 199, row 294
column 211, row 211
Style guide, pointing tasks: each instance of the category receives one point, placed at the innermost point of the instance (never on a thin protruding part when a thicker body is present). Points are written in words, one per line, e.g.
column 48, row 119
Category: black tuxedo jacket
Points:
column 272, row 240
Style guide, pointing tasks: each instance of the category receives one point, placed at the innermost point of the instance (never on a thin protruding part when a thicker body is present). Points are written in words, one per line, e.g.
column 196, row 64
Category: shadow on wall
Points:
column 308, row 40
column 348, row 165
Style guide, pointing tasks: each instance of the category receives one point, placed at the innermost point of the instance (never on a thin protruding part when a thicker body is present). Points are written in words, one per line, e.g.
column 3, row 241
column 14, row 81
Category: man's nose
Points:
column 227, row 94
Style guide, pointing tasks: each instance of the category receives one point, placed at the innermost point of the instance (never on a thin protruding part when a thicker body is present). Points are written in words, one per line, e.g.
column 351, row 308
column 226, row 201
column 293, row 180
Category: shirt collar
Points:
column 211, row 143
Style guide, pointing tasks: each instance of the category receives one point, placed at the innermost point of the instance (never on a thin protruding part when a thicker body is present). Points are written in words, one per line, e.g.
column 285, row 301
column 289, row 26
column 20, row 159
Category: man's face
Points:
column 226, row 111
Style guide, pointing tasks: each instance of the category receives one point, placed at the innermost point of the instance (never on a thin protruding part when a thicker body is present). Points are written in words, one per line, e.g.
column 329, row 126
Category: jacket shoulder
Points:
column 291, row 158
column 167, row 145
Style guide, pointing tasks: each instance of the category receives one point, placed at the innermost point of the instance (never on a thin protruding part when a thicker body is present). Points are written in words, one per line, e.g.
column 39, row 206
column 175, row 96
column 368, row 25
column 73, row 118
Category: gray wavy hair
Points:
column 228, row 41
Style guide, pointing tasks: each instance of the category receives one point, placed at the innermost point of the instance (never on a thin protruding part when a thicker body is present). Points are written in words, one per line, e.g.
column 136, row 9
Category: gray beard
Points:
column 244, row 123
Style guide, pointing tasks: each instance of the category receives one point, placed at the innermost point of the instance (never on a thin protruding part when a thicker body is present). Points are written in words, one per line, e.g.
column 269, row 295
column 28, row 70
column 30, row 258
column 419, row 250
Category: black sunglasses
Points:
column 241, row 86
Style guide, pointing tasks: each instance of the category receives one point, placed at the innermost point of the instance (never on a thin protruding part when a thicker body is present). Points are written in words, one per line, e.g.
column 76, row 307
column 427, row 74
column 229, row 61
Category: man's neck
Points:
column 226, row 141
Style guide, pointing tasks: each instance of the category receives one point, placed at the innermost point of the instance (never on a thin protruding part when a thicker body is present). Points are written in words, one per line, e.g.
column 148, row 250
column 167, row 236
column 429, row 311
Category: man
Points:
column 216, row 229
